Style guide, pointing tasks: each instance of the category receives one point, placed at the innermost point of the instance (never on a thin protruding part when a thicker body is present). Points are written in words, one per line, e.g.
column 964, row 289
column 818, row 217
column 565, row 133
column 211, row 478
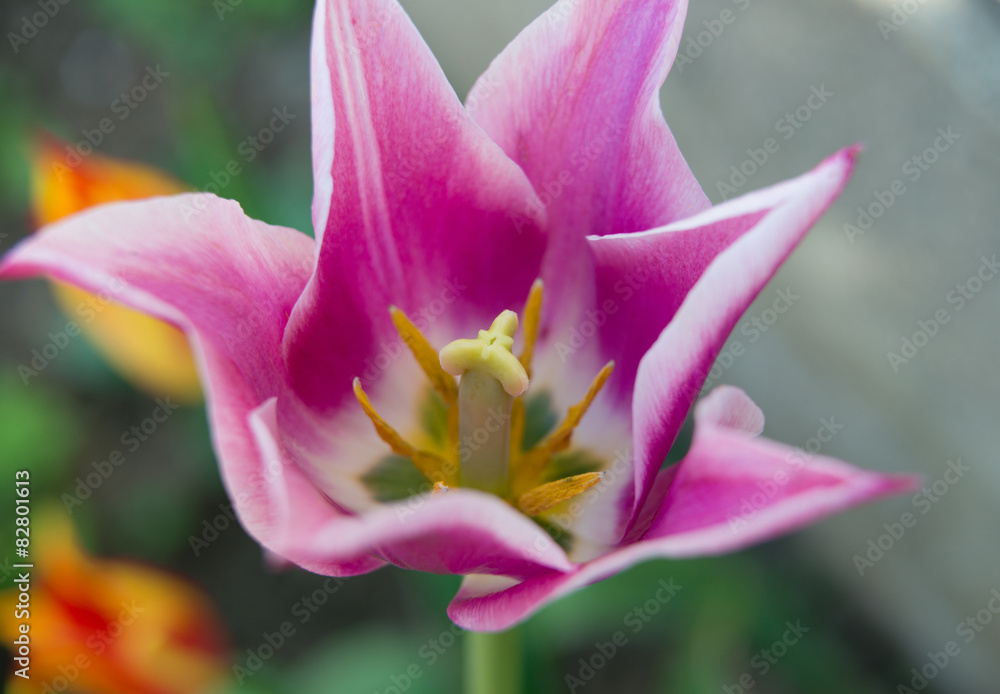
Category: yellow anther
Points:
column 546, row 496
column 440, row 488
column 426, row 356
column 532, row 313
column 489, row 353
column 533, row 463
column 433, row 467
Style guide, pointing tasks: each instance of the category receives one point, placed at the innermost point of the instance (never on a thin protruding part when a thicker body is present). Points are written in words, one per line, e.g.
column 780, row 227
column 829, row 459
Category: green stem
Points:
column 493, row 663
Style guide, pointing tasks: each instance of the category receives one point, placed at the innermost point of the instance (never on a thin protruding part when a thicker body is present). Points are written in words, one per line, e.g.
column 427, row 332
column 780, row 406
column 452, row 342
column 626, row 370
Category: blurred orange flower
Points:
column 151, row 354
column 102, row 626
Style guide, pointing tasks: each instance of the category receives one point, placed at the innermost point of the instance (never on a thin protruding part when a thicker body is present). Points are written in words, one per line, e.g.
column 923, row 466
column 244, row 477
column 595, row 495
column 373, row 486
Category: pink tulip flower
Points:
column 347, row 443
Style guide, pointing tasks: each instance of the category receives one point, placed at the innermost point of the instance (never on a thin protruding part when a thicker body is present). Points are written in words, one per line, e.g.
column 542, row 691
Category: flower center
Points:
column 486, row 415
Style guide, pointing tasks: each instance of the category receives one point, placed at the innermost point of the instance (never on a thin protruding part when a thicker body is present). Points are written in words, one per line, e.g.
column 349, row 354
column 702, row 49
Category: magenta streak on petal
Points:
column 642, row 279
column 413, row 205
column 574, row 100
column 672, row 372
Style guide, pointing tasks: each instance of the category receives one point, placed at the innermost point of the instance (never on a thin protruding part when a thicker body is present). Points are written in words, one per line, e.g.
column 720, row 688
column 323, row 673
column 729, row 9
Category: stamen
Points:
column 533, row 463
column 426, row 356
column 532, row 313
column 548, row 495
column 434, row 468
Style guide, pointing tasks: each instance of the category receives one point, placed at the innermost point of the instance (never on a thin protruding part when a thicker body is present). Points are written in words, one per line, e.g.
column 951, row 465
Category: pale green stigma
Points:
column 491, row 353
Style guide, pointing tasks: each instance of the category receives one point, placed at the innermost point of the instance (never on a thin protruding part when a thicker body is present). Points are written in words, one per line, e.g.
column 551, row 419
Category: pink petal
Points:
column 642, row 279
column 574, row 100
column 412, row 207
column 461, row 531
column 729, row 492
column 227, row 280
column 289, row 506
column 730, row 408
column 671, row 373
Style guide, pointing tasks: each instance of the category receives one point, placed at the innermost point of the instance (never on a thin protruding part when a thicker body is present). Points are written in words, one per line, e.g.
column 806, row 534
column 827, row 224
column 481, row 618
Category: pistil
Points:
column 491, row 377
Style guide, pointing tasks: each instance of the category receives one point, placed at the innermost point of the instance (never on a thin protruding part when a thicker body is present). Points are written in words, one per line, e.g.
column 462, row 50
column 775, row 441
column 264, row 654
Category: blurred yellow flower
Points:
column 102, row 626
column 151, row 354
